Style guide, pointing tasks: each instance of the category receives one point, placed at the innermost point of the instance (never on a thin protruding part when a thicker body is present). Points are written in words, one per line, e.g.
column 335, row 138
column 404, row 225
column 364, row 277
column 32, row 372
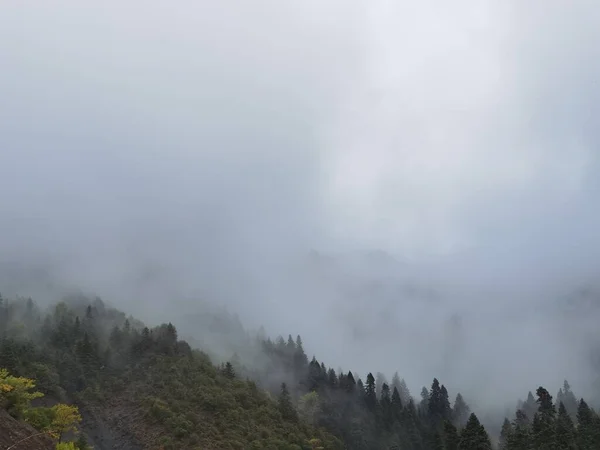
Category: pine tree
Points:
column 385, row 403
column 228, row 370
column 424, row 404
column 460, row 411
column 566, row 396
column 451, row 437
column 286, row 408
column 565, row 430
column 505, row 435
column 474, row 436
column 588, row 435
column 544, row 421
column 396, row 404
column 370, row 393
column 445, row 409
column 435, row 402
column 530, row 406
column 520, row 438
column 379, row 382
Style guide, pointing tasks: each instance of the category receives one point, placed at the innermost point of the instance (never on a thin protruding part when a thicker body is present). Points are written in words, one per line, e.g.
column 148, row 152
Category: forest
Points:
column 118, row 383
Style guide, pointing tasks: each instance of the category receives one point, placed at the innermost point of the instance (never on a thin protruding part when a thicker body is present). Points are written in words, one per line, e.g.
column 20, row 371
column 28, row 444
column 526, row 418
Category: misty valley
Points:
column 299, row 225
column 79, row 374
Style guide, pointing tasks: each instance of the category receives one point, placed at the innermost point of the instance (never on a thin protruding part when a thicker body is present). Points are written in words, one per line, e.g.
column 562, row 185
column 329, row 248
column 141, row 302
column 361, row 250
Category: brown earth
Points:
column 13, row 431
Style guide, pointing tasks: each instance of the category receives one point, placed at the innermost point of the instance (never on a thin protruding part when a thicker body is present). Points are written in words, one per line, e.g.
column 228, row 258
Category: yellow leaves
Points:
column 64, row 419
column 14, row 392
column 66, row 446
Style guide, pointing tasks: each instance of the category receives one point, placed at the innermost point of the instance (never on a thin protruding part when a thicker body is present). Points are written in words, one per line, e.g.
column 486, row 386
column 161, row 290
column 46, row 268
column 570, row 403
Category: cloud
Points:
column 153, row 152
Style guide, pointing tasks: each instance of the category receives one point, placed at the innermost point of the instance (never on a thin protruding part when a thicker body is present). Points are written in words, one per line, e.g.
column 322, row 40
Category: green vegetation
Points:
column 167, row 395
column 16, row 395
column 162, row 394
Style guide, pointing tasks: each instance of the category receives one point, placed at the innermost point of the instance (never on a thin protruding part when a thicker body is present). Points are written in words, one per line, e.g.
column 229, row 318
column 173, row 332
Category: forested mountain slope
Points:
column 144, row 388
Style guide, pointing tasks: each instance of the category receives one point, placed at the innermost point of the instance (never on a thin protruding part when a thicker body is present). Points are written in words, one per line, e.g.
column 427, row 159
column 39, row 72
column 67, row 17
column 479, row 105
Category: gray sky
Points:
column 154, row 151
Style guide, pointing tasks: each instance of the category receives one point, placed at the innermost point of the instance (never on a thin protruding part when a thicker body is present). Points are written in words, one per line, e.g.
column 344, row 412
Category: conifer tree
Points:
column 460, row 411
column 505, row 435
column 474, row 436
column 544, row 425
column 565, row 430
column 286, row 408
column 370, row 394
column 566, row 396
column 520, row 438
column 588, row 434
column 451, row 437
column 396, row 405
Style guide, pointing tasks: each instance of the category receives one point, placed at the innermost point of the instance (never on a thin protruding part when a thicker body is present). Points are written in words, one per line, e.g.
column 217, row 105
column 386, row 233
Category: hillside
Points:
column 13, row 431
column 144, row 388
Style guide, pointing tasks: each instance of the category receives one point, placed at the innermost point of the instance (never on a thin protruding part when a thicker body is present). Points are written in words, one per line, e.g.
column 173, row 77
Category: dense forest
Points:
column 130, row 386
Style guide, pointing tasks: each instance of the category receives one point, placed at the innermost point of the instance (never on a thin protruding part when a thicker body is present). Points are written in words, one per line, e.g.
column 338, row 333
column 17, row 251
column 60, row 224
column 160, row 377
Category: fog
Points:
column 407, row 186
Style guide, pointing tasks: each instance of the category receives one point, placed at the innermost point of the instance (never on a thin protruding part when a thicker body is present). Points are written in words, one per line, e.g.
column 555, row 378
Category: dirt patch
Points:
column 13, row 431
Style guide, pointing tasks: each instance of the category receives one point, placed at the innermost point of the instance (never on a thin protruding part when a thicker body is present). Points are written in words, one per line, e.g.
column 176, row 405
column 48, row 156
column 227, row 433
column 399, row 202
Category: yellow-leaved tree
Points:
column 16, row 393
column 64, row 419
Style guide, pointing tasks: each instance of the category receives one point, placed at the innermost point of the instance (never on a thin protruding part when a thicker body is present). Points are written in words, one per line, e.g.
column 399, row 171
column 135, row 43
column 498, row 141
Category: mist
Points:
column 408, row 187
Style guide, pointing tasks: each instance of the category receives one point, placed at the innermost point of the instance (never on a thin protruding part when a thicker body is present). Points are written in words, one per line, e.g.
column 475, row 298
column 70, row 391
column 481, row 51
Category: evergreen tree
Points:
column 396, row 404
column 370, row 393
column 520, row 438
column 435, row 402
column 386, row 406
column 228, row 370
column 530, row 406
column 566, row 396
column 565, row 430
column 544, row 422
column 286, row 408
column 505, row 435
column 379, row 382
column 460, row 411
column 474, row 436
column 451, row 437
column 588, row 435
column 404, row 392
column 424, row 404
column 444, row 406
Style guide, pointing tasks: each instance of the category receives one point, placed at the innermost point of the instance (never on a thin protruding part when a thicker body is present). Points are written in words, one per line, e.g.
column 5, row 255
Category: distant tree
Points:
column 474, row 436
column 300, row 358
column 332, row 379
column 588, row 433
column 435, row 402
column 451, row 437
column 396, row 405
column 565, row 430
column 228, row 370
column 286, row 408
column 424, row 404
column 520, row 438
column 370, row 393
column 566, row 396
column 460, row 411
column 530, row 406
column 543, row 428
column 380, row 379
column 385, row 402
column 309, row 407
column 505, row 435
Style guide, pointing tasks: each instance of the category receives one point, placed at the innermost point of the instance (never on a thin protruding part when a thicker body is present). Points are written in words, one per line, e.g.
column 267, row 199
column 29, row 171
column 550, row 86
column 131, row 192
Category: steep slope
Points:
column 141, row 388
column 14, row 432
